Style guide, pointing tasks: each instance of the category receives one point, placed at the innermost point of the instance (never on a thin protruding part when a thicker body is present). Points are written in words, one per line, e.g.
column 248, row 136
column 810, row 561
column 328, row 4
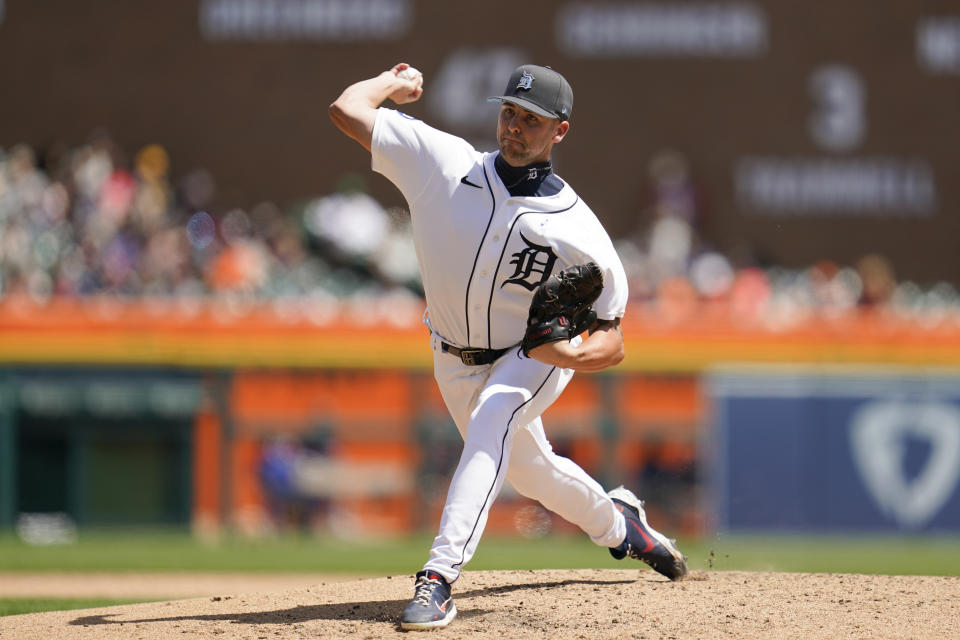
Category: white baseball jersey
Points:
column 483, row 252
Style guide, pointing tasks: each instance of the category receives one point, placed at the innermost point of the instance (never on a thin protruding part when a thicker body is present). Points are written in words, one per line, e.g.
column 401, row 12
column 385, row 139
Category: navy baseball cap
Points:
column 540, row 90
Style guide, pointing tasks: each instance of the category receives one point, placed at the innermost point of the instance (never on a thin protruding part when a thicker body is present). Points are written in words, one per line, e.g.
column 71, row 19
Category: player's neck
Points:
column 528, row 180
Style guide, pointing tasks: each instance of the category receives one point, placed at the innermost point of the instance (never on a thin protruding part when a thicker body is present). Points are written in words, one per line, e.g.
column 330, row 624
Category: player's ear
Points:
column 562, row 127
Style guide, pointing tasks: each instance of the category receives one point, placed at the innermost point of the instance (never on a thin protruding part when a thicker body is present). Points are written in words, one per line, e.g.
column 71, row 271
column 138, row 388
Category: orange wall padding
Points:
column 206, row 468
column 673, row 398
column 203, row 333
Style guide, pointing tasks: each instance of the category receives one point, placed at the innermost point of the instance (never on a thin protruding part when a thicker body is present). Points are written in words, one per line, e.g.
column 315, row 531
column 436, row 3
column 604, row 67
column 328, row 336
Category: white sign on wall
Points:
column 838, row 121
column 938, row 44
column 878, row 436
column 311, row 20
column 731, row 29
column 888, row 187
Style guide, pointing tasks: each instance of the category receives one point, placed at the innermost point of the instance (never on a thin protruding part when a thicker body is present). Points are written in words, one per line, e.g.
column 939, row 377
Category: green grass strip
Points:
column 16, row 606
column 152, row 551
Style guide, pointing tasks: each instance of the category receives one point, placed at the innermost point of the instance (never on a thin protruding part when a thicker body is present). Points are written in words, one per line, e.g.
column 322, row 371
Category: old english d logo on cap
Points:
column 550, row 96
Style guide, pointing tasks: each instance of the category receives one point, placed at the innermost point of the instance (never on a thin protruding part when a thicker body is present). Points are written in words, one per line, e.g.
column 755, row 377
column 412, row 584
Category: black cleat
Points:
column 643, row 542
column 432, row 607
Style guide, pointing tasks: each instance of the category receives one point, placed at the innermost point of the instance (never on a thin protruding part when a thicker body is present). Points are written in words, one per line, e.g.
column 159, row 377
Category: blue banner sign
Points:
column 802, row 450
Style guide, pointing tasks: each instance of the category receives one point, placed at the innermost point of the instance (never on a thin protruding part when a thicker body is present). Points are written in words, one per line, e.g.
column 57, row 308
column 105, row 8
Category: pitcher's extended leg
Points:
column 562, row 486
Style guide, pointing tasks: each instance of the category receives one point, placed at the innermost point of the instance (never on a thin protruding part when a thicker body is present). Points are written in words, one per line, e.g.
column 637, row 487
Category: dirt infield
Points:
column 154, row 585
column 545, row 604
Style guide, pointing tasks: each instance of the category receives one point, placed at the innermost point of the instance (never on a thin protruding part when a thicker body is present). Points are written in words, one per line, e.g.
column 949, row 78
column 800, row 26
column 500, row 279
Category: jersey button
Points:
column 496, row 238
column 484, row 273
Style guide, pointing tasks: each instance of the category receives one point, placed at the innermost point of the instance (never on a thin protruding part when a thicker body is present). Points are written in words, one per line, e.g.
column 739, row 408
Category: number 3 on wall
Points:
column 839, row 122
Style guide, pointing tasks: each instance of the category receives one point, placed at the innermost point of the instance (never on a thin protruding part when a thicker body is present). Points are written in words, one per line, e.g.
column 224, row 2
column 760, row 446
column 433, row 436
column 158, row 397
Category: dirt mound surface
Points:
column 546, row 604
column 154, row 585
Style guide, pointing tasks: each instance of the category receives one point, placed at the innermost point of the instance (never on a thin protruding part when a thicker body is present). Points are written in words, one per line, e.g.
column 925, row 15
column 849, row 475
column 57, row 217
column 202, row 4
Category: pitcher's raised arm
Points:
column 355, row 111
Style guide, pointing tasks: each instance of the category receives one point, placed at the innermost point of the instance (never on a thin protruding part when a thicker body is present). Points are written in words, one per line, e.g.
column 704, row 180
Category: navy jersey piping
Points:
column 503, row 440
column 476, row 257
column 506, row 241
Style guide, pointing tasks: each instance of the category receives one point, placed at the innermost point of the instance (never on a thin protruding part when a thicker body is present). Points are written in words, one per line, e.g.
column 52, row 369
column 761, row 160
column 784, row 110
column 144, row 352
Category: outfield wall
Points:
column 266, row 417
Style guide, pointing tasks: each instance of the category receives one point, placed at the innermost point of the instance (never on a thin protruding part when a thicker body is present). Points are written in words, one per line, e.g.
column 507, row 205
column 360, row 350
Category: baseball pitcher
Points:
column 523, row 288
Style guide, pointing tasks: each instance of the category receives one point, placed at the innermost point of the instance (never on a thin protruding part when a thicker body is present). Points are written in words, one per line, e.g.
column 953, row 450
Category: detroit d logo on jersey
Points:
column 532, row 265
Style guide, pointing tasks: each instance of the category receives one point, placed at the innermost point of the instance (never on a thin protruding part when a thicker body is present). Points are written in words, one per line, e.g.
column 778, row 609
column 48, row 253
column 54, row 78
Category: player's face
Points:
column 525, row 137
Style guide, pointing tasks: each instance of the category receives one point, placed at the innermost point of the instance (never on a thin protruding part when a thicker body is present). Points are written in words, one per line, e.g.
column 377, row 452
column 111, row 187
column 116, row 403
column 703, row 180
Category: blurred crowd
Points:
column 87, row 221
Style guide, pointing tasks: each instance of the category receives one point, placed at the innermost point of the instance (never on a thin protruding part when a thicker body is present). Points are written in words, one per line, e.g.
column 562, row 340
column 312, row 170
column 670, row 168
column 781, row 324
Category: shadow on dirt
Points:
column 372, row 611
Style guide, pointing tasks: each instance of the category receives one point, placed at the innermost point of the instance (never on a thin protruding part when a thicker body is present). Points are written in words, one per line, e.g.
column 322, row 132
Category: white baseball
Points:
column 408, row 74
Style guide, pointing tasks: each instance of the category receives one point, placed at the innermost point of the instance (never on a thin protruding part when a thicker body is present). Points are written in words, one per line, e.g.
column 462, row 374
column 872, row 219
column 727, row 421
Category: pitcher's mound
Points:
column 504, row 605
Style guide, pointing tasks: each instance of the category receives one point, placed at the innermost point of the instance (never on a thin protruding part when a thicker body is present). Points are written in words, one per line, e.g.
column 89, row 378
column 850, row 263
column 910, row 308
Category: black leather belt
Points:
column 474, row 357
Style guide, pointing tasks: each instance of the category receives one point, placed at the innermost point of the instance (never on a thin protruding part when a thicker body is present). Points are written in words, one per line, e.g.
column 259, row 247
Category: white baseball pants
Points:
column 497, row 410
